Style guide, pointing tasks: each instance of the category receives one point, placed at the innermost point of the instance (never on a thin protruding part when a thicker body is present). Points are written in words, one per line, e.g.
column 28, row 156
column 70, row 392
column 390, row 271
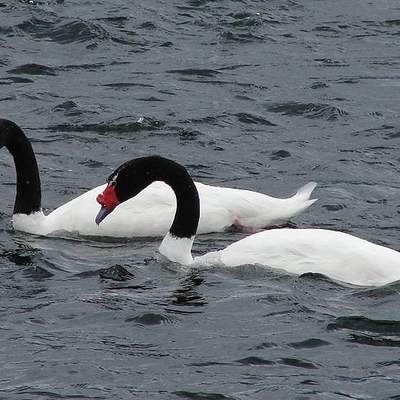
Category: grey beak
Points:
column 101, row 215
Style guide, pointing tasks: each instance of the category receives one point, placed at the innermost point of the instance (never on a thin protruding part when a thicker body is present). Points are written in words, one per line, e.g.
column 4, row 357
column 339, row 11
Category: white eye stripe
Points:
column 113, row 180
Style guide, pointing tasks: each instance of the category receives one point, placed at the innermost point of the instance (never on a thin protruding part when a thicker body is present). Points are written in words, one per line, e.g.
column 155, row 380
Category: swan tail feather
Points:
column 304, row 193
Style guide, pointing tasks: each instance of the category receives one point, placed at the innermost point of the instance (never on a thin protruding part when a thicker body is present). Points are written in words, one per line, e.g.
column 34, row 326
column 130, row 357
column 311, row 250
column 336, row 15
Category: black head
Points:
column 131, row 178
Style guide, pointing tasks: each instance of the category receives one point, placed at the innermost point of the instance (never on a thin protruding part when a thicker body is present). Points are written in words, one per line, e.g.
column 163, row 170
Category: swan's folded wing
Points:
column 150, row 213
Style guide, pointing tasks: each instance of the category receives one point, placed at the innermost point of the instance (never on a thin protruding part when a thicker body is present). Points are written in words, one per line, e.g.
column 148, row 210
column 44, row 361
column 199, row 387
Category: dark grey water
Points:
column 253, row 94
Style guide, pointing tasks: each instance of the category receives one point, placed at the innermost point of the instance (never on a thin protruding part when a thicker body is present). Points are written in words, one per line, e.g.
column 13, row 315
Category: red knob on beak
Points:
column 108, row 201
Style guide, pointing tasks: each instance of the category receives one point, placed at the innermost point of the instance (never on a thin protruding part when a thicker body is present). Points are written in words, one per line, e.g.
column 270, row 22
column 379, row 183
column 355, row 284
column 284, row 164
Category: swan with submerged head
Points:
column 336, row 254
column 148, row 214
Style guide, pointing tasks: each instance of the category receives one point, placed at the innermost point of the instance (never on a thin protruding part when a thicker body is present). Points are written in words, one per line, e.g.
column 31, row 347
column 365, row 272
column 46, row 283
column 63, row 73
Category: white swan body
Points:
column 336, row 254
column 148, row 214
column 151, row 212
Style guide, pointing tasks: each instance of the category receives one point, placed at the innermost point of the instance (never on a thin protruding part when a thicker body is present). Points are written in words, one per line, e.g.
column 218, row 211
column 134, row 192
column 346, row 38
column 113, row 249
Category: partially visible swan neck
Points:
column 177, row 249
column 28, row 196
column 187, row 213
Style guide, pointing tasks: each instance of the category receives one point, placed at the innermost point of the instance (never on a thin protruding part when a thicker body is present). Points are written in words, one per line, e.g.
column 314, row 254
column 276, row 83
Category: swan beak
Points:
column 101, row 215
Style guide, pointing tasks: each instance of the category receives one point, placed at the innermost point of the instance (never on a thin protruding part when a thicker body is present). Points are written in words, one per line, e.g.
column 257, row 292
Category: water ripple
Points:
column 253, row 360
column 119, row 125
column 195, row 71
column 308, row 110
column 249, row 118
column 152, row 318
column 309, row 344
column 201, row 396
column 364, row 324
column 115, row 273
column 33, row 69
column 63, row 32
column 373, row 340
column 296, row 362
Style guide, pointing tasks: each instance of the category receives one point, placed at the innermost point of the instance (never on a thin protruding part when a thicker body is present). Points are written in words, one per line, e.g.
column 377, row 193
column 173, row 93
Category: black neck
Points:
column 28, row 197
column 135, row 175
column 187, row 212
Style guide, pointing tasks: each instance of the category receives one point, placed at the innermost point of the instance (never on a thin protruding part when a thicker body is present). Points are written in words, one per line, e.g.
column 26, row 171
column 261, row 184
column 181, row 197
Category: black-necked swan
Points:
column 149, row 214
column 336, row 254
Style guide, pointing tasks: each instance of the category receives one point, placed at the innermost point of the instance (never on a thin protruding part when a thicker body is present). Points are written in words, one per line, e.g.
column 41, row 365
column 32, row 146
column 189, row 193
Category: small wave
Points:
column 247, row 37
column 263, row 345
column 115, row 126
column 373, row 340
column 187, row 294
column 37, row 273
column 389, row 363
column 118, row 22
column 387, row 24
column 319, row 85
column 23, row 255
column 195, row 71
column 33, row 69
column 326, row 31
column 364, row 324
column 309, row 344
column 150, row 99
column 379, row 292
column 90, row 67
column 207, row 364
column 38, row 393
column 237, row 66
column 387, row 132
column 329, row 62
column 275, row 298
column 151, row 318
column 92, row 163
column 185, row 297
column 209, row 119
column 248, row 118
column 120, row 346
column 392, row 22
column 184, row 134
column 115, row 273
column 14, row 79
column 245, row 19
column 296, row 362
column 334, row 207
column 317, row 277
column 6, row 30
column 255, row 272
column 71, row 109
column 198, row 3
column 126, row 85
column 308, row 110
column 166, row 44
column 65, row 106
column 255, row 361
column 63, row 32
column 201, row 395
column 280, row 154
column 147, row 25
column 348, row 80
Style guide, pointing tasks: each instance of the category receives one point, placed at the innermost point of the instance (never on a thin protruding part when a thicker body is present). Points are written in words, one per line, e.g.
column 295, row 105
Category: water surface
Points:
column 259, row 95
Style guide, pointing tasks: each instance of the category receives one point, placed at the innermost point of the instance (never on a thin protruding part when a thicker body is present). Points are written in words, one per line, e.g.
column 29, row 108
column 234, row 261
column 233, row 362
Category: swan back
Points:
column 336, row 254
